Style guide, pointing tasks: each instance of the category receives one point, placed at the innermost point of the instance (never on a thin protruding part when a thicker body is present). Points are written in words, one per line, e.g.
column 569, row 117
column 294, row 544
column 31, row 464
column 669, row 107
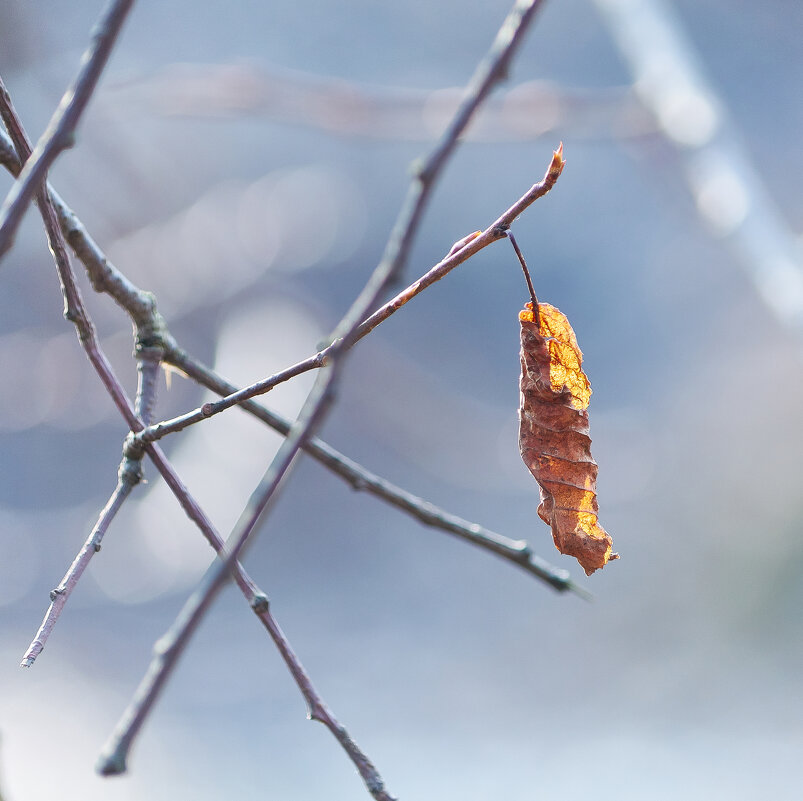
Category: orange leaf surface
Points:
column 553, row 435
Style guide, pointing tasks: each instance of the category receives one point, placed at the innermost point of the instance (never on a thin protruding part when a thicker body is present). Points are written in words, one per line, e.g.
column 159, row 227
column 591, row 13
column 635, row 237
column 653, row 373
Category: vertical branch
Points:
column 60, row 133
column 149, row 360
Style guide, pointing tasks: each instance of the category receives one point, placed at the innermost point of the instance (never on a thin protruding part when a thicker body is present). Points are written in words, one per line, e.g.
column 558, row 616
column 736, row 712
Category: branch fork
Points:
column 155, row 347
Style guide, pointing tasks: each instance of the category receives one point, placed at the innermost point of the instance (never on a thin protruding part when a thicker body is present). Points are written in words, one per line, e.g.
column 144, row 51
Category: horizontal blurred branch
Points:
column 522, row 113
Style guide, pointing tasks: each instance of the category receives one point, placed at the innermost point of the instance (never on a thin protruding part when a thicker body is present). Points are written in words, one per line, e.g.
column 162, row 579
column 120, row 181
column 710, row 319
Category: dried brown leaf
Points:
column 553, row 435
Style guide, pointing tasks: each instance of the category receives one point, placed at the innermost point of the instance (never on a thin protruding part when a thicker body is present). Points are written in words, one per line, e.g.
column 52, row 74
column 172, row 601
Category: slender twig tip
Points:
column 111, row 765
column 558, row 162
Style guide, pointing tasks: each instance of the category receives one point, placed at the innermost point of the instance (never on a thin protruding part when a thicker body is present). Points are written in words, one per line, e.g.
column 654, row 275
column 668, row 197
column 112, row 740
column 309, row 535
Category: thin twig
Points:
column 129, row 474
column 60, row 132
column 362, row 479
column 170, row 647
column 497, row 230
column 147, row 360
column 469, row 245
column 141, row 307
column 128, row 477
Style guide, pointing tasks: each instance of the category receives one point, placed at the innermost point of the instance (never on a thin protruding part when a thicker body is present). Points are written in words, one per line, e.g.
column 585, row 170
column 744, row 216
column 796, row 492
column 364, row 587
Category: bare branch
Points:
column 141, row 307
column 128, row 477
column 148, row 359
column 129, row 474
column 74, row 310
column 170, row 647
column 359, row 478
column 459, row 253
column 60, row 132
column 150, row 327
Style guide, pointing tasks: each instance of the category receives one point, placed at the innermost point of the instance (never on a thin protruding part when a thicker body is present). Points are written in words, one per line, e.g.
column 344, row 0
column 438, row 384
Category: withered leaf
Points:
column 553, row 435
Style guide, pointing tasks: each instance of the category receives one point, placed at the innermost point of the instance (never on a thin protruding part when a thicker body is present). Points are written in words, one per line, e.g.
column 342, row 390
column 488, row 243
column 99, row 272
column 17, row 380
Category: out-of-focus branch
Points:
column 60, row 133
column 727, row 187
column 522, row 113
column 171, row 646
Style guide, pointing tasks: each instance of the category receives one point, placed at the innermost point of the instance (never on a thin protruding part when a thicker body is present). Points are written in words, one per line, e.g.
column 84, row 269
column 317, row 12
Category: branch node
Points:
column 358, row 483
column 55, row 593
column 260, row 603
column 151, row 351
column 418, row 169
column 133, row 451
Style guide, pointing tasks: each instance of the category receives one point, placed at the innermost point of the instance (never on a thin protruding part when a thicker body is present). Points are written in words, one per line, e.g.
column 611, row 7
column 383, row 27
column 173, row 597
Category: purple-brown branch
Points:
column 129, row 474
column 147, row 363
column 362, row 479
column 128, row 477
column 150, row 327
column 171, row 646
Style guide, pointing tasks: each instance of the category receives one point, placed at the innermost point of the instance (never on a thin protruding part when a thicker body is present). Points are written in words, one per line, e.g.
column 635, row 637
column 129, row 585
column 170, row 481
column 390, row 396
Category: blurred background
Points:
column 245, row 162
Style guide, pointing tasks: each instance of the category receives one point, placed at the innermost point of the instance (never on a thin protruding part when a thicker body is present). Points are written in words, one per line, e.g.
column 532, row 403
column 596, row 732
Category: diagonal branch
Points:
column 141, row 307
column 128, row 477
column 171, row 646
column 359, row 478
column 129, row 474
column 456, row 256
column 147, row 365
column 60, row 132
column 524, row 112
